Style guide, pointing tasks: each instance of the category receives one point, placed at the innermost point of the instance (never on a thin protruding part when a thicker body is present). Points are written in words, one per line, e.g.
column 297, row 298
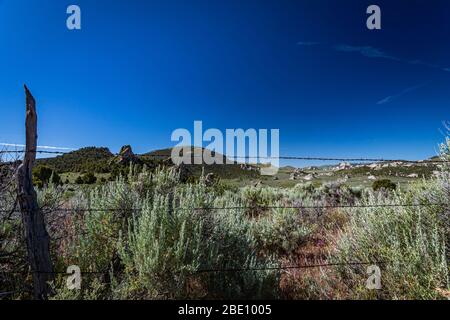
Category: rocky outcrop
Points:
column 343, row 166
column 126, row 156
column 297, row 174
column 249, row 167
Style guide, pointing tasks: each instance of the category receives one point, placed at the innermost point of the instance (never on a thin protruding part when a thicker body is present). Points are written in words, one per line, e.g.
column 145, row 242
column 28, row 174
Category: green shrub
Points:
column 110, row 206
column 170, row 251
column 79, row 180
column 258, row 198
column 43, row 175
column 50, row 197
column 384, row 184
column 13, row 255
column 162, row 249
column 281, row 231
column 89, row 178
column 408, row 242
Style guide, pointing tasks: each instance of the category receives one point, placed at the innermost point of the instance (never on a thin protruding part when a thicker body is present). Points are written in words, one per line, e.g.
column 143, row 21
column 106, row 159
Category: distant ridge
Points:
column 102, row 160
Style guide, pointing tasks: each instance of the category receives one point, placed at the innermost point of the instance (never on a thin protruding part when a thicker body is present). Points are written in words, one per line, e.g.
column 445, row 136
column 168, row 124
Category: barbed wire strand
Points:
column 258, row 157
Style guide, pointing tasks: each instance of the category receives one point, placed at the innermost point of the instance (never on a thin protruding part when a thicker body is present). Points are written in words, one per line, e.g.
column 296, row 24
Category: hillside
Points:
column 102, row 160
column 225, row 171
column 92, row 159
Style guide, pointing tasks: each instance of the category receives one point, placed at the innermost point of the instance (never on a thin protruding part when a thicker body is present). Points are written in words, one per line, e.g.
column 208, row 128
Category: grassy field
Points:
column 282, row 179
column 70, row 177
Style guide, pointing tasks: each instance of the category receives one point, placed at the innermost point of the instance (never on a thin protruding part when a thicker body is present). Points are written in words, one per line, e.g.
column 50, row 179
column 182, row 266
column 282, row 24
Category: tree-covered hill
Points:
column 102, row 160
column 225, row 171
column 89, row 159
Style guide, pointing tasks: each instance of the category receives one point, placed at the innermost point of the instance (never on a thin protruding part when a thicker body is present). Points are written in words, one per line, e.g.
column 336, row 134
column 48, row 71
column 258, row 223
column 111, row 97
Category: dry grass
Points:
column 315, row 282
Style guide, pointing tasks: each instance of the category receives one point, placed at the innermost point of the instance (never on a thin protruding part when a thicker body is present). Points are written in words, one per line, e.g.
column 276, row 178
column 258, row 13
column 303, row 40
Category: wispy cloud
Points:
column 372, row 52
column 375, row 53
column 39, row 147
column 398, row 95
column 367, row 51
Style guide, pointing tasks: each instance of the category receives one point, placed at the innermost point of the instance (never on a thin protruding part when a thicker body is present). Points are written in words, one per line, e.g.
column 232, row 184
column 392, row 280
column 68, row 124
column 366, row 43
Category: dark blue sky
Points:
column 140, row 69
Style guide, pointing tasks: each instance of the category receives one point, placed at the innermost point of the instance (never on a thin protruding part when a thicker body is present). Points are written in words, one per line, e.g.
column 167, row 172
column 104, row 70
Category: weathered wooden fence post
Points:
column 36, row 236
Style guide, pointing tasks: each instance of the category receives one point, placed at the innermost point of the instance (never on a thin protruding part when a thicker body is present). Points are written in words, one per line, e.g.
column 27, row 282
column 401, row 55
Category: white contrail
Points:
column 402, row 93
column 40, row 147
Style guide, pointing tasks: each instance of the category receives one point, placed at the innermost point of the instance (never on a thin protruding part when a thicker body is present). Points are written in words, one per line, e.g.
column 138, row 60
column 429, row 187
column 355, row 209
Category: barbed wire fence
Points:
column 33, row 217
column 262, row 268
column 347, row 159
